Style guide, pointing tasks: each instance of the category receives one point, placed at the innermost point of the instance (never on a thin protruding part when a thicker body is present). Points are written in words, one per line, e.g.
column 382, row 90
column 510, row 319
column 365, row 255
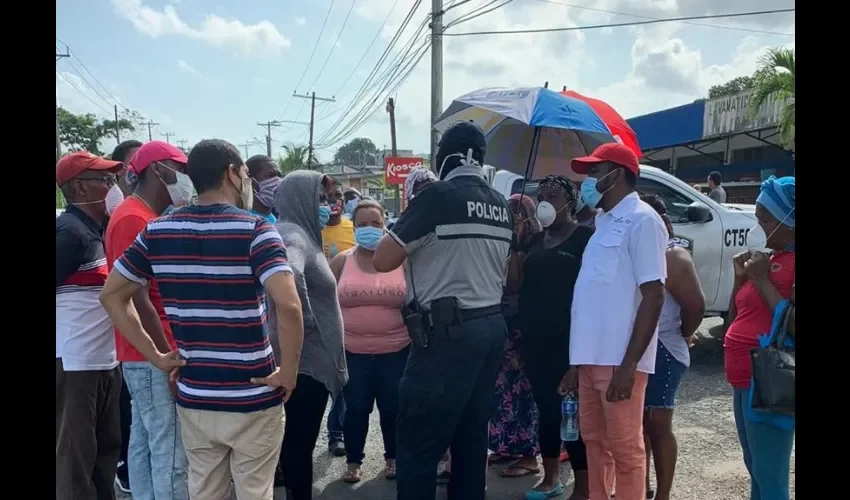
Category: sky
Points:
column 215, row 69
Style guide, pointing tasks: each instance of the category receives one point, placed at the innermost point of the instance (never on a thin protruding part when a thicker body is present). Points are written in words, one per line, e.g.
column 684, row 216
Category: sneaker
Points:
column 336, row 448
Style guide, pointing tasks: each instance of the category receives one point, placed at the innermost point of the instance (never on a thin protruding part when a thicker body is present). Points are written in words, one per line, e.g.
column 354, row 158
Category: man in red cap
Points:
column 88, row 381
column 613, row 337
column 156, row 460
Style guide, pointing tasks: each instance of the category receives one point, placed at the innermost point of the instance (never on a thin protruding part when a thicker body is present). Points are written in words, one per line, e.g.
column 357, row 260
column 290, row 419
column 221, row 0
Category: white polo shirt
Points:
column 626, row 251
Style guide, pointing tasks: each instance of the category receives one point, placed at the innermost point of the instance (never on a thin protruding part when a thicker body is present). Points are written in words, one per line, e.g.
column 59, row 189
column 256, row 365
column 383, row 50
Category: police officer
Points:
column 456, row 237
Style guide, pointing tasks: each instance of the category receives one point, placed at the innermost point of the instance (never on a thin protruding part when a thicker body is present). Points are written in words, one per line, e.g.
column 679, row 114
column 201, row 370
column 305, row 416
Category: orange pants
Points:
column 613, row 433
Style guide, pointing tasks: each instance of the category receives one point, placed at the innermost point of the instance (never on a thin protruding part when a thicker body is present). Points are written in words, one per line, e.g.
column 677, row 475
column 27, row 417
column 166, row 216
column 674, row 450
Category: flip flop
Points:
column 352, row 476
column 543, row 495
column 563, row 457
column 523, row 471
column 498, row 459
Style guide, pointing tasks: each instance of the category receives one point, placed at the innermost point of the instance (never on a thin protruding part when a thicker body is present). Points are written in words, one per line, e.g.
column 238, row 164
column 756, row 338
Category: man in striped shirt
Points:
column 211, row 262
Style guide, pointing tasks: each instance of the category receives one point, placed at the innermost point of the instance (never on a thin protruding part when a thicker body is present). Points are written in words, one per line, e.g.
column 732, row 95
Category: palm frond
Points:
column 787, row 126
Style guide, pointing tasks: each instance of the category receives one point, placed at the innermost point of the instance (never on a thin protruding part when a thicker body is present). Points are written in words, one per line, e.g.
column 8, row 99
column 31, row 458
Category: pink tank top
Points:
column 371, row 309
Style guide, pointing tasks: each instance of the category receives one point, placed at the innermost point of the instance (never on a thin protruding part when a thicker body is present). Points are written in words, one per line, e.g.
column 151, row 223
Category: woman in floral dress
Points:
column 513, row 426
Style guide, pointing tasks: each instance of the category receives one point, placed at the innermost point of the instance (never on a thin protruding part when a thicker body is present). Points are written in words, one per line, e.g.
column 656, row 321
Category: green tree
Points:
column 60, row 199
column 732, row 87
column 84, row 132
column 359, row 151
column 776, row 76
column 295, row 159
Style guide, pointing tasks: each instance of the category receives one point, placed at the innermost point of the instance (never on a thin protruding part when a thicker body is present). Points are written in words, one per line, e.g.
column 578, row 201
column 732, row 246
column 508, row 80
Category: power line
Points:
column 362, row 116
column 371, row 81
column 70, row 84
column 469, row 16
column 310, row 60
column 617, row 25
column 333, row 47
column 731, row 28
column 357, row 66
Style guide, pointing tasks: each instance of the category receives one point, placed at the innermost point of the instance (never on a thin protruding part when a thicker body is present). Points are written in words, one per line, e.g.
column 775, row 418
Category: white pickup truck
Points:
column 712, row 232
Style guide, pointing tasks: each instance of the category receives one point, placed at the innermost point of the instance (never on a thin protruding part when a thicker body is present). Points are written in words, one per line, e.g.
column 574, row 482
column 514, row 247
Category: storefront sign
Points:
column 396, row 168
column 731, row 114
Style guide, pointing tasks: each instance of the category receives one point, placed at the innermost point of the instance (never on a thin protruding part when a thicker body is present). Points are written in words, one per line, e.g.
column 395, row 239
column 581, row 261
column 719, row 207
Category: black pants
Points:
column 372, row 378
column 305, row 411
column 445, row 401
column 88, row 433
column 545, row 365
column 126, row 412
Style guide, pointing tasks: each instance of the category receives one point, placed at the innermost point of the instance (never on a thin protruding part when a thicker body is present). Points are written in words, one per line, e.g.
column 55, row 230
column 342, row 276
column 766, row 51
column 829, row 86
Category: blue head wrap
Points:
column 778, row 197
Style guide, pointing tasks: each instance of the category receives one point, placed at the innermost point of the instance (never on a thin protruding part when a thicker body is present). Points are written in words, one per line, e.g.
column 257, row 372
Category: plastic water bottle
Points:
column 569, row 418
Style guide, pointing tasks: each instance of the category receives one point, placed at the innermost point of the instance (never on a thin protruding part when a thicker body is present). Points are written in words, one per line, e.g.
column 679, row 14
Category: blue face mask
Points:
column 350, row 205
column 324, row 215
column 368, row 236
column 589, row 193
column 269, row 217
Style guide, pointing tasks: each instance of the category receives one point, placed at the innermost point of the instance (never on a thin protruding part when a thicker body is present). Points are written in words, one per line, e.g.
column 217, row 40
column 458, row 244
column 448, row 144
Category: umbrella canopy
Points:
column 530, row 123
column 621, row 130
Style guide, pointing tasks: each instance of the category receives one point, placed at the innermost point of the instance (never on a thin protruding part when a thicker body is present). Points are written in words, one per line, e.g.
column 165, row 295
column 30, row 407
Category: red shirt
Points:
column 128, row 220
column 754, row 318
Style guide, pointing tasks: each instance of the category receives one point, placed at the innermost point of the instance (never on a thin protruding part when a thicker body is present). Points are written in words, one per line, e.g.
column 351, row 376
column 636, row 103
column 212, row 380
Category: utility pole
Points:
column 182, row 143
column 313, row 100
column 168, row 135
column 245, row 145
column 150, row 133
column 436, row 72
column 58, row 140
column 269, row 125
column 394, row 148
column 117, row 128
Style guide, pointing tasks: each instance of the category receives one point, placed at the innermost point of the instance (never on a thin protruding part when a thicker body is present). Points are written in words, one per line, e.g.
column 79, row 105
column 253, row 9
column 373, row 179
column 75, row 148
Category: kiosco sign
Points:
column 396, row 168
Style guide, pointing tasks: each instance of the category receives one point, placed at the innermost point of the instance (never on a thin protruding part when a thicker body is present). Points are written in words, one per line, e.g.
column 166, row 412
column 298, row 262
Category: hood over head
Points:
column 297, row 201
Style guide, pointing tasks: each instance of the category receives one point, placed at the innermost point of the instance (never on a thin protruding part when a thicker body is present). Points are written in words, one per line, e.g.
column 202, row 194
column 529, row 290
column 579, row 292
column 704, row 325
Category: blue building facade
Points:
column 693, row 140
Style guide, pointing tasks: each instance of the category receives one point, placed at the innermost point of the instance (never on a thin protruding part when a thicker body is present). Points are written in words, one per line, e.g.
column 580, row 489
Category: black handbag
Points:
column 773, row 385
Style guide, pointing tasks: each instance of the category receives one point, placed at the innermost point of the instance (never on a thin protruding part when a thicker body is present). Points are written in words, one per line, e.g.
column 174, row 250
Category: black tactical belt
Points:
column 471, row 314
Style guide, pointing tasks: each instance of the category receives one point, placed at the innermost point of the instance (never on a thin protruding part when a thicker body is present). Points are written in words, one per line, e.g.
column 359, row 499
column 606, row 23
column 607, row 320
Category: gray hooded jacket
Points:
column 323, row 354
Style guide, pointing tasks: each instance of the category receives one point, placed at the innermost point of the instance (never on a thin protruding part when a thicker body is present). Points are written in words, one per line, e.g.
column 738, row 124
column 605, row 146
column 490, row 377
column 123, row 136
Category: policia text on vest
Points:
column 457, row 236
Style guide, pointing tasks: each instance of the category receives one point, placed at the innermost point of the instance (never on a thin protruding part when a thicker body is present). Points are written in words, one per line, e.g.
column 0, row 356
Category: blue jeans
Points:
column 445, row 401
column 336, row 418
column 767, row 453
column 372, row 378
column 662, row 386
column 156, row 459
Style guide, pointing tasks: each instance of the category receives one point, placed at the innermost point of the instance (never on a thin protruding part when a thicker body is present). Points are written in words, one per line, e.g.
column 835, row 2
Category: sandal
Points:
column 519, row 471
column 497, row 458
column 389, row 470
column 352, row 474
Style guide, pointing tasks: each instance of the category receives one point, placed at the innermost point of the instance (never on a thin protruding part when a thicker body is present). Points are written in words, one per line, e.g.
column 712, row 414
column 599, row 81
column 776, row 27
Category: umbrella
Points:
column 621, row 130
column 531, row 131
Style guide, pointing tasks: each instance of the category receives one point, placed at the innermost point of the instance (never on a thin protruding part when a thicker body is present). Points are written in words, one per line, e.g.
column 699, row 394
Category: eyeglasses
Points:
column 109, row 179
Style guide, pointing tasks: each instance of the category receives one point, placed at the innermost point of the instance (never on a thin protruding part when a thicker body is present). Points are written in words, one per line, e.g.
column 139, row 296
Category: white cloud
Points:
column 664, row 71
column 256, row 40
column 300, row 21
column 187, row 68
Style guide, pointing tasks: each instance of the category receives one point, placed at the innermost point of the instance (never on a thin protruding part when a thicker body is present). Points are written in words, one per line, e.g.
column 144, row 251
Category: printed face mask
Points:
column 265, row 194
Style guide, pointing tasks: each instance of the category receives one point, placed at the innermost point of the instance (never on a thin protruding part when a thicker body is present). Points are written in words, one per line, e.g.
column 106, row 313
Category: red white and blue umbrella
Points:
column 532, row 131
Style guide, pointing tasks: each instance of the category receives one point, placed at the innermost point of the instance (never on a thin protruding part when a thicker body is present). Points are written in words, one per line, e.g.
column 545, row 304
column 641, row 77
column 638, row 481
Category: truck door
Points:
column 702, row 239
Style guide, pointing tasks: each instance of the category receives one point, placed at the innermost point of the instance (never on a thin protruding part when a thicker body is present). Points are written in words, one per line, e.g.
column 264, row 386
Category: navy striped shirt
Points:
column 210, row 263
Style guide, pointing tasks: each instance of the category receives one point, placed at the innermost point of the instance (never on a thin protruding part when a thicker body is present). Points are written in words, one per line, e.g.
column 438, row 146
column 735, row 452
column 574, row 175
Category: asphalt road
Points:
column 710, row 466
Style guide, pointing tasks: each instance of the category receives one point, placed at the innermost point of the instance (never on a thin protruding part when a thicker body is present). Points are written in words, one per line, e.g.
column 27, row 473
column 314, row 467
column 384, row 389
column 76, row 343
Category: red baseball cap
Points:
column 74, row 164
column 154, row 151
column 613, row 152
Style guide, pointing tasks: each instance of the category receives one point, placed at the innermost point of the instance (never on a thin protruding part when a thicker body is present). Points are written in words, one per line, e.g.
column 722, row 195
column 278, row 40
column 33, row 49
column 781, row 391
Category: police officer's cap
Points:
column 460, row 138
